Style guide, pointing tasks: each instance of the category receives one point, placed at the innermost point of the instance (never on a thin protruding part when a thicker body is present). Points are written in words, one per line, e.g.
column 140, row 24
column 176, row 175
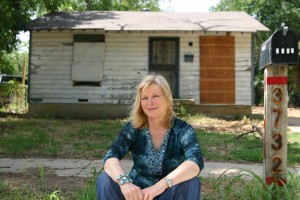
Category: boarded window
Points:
column 88, row 58
column 217, row 70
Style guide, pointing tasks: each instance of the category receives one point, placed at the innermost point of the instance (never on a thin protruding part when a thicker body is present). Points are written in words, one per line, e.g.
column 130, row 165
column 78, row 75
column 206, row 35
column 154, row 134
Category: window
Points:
column 88, row 59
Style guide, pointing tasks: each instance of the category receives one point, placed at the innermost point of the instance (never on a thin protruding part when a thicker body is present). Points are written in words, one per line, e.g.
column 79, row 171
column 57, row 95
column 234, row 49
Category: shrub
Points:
column 294, row 98
column 13, row 97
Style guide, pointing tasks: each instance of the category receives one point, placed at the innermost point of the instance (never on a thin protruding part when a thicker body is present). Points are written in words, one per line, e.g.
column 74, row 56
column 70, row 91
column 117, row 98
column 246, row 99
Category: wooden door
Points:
column 217, row 70
column 164, row 60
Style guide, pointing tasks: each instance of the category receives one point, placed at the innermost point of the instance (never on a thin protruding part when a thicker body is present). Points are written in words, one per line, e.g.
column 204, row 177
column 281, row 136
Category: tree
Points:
column 272, row 14
column 12, row 63
column 8, row 66
column 14, row 14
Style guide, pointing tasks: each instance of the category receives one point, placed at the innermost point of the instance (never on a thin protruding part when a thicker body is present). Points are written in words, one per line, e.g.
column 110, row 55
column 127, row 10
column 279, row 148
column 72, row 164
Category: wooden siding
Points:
column 126, row 62
column 189, row 71
column 243, row 86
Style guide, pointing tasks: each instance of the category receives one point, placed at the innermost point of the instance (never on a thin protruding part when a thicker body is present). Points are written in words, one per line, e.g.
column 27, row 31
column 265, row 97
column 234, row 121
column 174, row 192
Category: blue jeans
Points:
column 107, row 189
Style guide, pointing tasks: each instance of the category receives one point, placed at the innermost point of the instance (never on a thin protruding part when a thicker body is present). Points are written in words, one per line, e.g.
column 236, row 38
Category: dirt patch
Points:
column 292, row 112
column 228, row 124
column 34, row 181
column 221, row 125
column 254, row 123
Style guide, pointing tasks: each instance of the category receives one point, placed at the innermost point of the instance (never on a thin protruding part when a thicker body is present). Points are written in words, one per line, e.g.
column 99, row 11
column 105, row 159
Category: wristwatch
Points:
column 169, row 182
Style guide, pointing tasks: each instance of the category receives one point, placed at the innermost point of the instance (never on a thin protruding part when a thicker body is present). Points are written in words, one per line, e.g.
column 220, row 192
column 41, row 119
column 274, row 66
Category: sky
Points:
column 168, row 6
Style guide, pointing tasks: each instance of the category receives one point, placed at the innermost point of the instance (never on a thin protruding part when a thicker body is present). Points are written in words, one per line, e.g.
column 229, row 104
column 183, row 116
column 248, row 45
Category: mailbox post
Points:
column 278, row 52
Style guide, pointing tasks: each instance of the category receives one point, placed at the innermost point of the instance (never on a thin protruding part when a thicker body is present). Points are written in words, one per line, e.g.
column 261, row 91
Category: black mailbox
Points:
column 280, row 48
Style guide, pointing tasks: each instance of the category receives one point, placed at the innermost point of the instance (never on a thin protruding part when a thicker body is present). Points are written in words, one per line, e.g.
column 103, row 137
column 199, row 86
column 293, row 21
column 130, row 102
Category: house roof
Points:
column 149, row 21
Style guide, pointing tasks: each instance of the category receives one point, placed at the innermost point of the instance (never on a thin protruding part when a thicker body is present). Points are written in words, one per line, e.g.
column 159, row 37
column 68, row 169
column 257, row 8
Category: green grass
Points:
column 293, row 149
column 57, row 138
column 23, row 138
column 249, row 186
column 90, row 139
column 10, row 192
column 224, row 147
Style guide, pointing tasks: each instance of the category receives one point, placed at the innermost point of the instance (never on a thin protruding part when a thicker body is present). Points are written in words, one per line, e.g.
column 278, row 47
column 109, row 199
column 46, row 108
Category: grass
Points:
column 224, row 187
column 251, row 187
column 90, row 139
column 57, row 138
column 9, row 192
column 223, row 147
column 88, row 192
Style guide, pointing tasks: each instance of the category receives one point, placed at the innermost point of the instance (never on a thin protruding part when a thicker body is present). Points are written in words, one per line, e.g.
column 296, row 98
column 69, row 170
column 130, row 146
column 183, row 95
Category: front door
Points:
column 164, row 60
column 217, row 70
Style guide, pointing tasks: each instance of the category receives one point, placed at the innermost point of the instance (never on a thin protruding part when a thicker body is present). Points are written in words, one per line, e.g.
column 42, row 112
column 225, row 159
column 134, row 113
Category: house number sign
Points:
column 275, row 118
column 278, row 52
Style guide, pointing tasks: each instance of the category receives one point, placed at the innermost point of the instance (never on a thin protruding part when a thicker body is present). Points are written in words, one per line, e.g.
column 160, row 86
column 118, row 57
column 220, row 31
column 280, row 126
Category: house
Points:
column 87, row 64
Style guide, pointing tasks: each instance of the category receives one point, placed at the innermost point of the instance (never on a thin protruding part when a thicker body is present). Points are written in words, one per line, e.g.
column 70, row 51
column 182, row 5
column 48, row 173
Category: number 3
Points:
column 278, row 139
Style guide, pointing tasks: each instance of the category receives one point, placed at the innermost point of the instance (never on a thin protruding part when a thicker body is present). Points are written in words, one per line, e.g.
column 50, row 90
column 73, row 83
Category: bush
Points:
column 294, row 98
column 258, row 89
column 13, row 97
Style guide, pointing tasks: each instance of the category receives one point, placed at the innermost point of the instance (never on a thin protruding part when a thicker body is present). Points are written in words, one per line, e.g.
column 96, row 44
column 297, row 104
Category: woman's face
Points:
column 153, row 102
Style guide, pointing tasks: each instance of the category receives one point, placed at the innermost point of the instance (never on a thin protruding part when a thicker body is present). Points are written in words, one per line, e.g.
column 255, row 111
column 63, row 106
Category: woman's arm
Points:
column 185, row 171
column 113, row 168
column 118, row 149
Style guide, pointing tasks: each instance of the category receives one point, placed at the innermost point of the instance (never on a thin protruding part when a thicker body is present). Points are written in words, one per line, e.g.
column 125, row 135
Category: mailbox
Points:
column 280, row 48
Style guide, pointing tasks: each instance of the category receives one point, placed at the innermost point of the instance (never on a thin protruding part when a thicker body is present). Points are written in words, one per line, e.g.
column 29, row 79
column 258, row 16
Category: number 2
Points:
column 276, row 162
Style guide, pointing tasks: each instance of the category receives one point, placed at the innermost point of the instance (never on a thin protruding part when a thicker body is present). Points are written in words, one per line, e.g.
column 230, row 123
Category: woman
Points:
column 165, row 151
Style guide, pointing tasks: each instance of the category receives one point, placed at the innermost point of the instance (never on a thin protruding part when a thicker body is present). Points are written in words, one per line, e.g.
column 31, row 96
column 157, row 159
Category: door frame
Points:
column 177, row 61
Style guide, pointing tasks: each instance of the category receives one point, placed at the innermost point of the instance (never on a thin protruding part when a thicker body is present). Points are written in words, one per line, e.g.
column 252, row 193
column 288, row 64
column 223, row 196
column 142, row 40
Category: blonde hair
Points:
column 137, row 115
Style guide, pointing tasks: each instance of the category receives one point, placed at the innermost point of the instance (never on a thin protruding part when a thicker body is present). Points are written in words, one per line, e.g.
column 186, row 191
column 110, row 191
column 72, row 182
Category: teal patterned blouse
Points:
column 179, row 144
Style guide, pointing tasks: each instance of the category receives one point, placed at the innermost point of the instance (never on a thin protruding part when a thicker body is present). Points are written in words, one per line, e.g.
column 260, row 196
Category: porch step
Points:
column 181, row 106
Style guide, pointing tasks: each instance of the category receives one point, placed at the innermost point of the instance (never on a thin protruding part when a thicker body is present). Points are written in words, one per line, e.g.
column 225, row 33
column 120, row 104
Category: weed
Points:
column 42, row 176
column 182, row 110
column 247, row 185
column 55, row 195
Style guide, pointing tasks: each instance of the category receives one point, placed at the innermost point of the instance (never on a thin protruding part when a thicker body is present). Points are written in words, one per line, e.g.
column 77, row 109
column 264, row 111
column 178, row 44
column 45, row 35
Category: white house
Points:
column 87, row 64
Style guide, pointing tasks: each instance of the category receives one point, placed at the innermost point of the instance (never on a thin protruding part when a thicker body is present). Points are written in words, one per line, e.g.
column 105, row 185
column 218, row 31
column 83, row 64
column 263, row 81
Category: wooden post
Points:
column 278, row 52
column 24, row 72
column 24, row 91
column 275, row 122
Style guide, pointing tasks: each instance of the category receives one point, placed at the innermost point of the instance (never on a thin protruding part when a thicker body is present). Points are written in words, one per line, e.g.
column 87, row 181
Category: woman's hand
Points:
column 131, row 192
column 154, row 190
